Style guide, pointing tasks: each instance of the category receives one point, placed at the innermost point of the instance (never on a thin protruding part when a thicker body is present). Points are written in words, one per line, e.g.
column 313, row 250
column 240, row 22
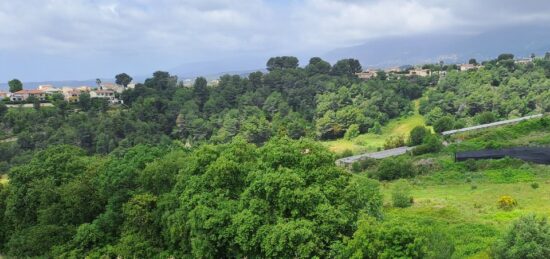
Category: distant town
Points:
column 111, row 91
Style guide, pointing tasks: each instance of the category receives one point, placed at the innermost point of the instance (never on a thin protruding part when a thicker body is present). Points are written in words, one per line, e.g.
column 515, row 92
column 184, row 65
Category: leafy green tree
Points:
column 375, row 239
column 505, row 56
column 528, row 237
column 352, row 132
column 376, row 129
column 201, row 91
column 15, row 85
column 3, row 109
column 472, row 61
column 317, row 66
column 417, row 135
column 284, row 62
column 123, row 79
column 346, row 67
column 85, row 101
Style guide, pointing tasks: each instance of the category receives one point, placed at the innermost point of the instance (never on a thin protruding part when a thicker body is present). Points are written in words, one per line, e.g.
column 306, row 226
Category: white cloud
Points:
column 343, row 22
column 165, row 31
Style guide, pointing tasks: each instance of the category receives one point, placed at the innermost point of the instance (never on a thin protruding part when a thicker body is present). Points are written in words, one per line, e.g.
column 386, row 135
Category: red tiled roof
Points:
column 29, row 92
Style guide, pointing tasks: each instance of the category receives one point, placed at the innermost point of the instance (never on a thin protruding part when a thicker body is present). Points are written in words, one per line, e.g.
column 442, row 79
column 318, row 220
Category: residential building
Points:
column 113, row 87
column 45, row 87
column 108, row 94
column 366, row 75
column 51, row 91
column 72, row 95
column 419, row 72
column 466, row 67
column 23, row 95
column 3, row 95
column 523, row 61
column 84, row 88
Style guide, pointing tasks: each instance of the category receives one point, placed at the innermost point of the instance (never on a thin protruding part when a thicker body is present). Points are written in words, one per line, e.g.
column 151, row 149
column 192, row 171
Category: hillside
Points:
column 242, row 168
column 400, row 127
column 461, row 199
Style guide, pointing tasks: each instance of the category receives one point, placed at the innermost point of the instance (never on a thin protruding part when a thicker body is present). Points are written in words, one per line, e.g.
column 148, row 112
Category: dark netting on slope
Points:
column 539, row 155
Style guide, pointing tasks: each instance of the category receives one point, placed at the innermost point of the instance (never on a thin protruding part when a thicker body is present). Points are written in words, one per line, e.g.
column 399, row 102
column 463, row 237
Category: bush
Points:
column 394, row 142
column 528, row 237
column 374, row 239
column 356, row 167
column 417, row 135
column 535, row 185
column 376, row 128
column 485, row 117
column 471, row 165
column 352, row 132
column 473, row 187
column 431, row 144
column 443, row 124
column 507, row 202
column 401, row 194
column 346, row 153
column 394, row 168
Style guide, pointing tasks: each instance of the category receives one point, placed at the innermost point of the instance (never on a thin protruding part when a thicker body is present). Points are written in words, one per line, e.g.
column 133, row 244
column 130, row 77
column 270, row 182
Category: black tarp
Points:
column 539, row 155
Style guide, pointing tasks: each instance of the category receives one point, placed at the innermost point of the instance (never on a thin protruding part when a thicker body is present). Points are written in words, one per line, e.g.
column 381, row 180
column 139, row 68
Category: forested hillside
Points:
column 499, row 90
column 236, row 170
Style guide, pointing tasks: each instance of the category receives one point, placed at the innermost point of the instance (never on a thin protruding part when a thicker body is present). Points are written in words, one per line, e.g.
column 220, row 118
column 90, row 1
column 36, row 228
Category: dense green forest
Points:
column 235, row 170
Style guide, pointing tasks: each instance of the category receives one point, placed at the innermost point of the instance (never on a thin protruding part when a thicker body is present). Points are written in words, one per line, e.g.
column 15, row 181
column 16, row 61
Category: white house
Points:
column 107, row 94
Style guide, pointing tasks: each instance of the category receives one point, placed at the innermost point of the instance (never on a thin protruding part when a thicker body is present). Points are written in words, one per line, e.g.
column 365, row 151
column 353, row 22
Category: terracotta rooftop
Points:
column 29, row 92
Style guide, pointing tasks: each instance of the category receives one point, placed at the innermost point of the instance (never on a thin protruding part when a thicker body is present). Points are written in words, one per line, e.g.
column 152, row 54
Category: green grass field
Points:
column 371, row 142
column 471, row 216
column 461, row 201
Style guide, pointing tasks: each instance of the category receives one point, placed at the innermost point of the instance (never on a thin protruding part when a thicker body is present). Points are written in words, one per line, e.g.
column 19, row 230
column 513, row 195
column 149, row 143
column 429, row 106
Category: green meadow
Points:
column 460, row 199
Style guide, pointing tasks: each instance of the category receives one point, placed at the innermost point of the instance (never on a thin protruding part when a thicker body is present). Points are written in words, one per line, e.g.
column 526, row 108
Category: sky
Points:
column 84, row 39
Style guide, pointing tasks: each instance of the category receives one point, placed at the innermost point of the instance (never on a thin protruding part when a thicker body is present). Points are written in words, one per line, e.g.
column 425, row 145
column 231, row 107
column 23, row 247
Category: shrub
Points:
column 394, row 168
column 346, row 153
column 535, row 185
column 507, row 202
column 443, row 124
column 401, row 194
column 374, row 239
column 459, row 124
column 352, row 132
column 431, row 144
column 485, row 117
column 356, row 167
column 417, row 135
column 528, row 237
column 376, row 128
column 394, row 142
column 473, row 187
column 471, row 165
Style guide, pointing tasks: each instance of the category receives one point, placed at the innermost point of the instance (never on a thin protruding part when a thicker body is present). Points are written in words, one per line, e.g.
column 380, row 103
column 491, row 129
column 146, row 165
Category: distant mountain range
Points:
column 431, row 48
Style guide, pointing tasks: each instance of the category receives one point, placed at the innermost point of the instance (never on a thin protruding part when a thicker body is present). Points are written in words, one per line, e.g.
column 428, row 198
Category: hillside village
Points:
column 428, row 70
column 45, row 93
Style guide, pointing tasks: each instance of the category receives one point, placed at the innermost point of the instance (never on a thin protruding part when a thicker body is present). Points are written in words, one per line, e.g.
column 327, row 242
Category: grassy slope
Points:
column 371, row 142
column 445, row 198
